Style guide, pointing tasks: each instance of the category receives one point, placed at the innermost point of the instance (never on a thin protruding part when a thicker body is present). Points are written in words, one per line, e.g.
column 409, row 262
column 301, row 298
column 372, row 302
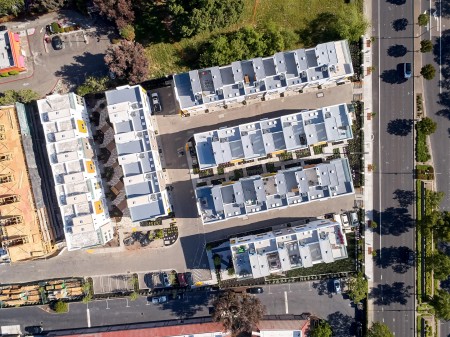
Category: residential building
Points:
column 25, row 231
column 75, row 169
column 281, row 250
column 286, row 188
column 270, row 326
column 11, row 56
column 271, row 136
column 257, row 78
column 137, row 151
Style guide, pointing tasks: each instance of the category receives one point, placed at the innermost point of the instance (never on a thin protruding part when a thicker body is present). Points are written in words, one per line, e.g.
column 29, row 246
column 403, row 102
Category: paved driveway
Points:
column 73, row 63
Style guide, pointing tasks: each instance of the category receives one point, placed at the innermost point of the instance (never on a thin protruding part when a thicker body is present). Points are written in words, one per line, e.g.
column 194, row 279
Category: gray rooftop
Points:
column 258, row 139
column 330, row 60
column 287, row 188
column 6, row 57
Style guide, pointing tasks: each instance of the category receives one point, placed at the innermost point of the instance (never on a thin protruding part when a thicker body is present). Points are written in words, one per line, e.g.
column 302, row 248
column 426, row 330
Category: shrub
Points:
column 115, row 41
column 423, row 19
column 14, row 72
column 4, row 74
column 66, row 29
column 55, row 27
column 60, row 307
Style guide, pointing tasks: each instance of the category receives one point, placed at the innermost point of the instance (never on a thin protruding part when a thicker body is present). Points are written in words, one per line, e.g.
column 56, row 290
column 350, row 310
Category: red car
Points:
column 181, row 280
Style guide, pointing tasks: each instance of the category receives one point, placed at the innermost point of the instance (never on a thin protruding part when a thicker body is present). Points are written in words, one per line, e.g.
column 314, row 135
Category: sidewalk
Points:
column 368, row 159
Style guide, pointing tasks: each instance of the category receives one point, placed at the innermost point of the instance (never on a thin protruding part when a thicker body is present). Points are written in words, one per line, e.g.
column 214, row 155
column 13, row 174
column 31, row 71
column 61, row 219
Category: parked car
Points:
column 128, row 241
column 34, row 330
column 407, row 70
column 181, row 280
column 155, row 102
column 3, row 28
column 337, row 286
column 255, row 290
column 159, row 299
column 411, row 258
column 49, row 30
column 165, row 280
column 57, row 43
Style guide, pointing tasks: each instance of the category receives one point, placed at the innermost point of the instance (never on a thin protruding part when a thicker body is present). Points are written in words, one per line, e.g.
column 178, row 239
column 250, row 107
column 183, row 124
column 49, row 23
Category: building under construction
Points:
column 25, row 232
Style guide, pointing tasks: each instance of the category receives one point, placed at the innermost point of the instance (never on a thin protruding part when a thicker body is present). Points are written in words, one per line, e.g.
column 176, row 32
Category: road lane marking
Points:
column 88, row 318
column 286, row 302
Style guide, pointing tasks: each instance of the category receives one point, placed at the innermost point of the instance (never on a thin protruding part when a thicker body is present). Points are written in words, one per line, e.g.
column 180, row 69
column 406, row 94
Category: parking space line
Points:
column 286, row 302
column 88, row 318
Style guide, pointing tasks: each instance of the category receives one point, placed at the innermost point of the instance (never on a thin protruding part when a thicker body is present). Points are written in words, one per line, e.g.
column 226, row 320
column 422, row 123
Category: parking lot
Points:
column 82, row 54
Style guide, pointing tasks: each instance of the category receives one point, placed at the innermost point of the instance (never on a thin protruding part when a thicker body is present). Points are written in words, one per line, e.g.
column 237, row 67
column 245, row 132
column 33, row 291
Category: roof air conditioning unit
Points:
column 282, row 77
column 139, row 134
column 141, row 155
column 303, row 74
column 240, row 85
column 133, row 114
column 220, row 92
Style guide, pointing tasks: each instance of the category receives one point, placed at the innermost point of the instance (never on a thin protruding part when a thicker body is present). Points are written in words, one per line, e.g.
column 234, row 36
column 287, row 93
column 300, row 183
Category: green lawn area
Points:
column 169, row 58
column 419, row 240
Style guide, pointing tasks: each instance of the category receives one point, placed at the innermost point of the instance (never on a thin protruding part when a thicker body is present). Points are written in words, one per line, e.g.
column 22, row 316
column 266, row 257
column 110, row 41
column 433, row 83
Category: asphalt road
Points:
column 394, row 282
column 297, row 298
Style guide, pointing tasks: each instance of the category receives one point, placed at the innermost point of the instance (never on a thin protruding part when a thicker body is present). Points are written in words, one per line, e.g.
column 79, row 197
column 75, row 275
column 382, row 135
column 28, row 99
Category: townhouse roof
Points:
column 76, row 172
column 289, row 132
column 255, row 194
column 129, row 112
column 281, row 70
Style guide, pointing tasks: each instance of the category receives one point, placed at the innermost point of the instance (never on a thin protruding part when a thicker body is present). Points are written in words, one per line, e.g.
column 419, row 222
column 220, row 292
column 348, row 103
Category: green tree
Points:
column 246, row 43
column 441, row 304
column 23, row 96
column 88, row 292
column 159, row 234
column 134, row 296
column 423, row 19
column 439, row 264
column 379, row 330
column 92, row 85
column 358, row 287
column 323, row 329
column 60, row 307
column 190, row 18
column 347, row 22
column 432, row 199
column 427, row 126
column 426, row 46
column 13, row 7
column 428, row 71
column 127, row 32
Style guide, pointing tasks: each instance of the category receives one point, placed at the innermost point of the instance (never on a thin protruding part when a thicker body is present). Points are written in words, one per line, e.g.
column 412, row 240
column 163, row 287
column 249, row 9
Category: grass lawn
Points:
column 419, row 240
column 169, row 58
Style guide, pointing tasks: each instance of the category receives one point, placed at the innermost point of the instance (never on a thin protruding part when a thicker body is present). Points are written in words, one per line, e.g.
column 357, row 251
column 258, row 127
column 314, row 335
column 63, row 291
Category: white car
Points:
column 155, row 102
column 165, row 280
column 160, row 299
column 337, row 286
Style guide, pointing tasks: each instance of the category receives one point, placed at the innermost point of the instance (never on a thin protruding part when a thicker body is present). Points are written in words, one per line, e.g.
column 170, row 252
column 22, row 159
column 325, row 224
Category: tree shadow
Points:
column 319, row 30
column 404, row 198
column 323, row 287
column 400, row 127
column 397, row 50
column 84, row 65
column 394, row 221
column 400, row 24
column 444, row 100
column 395, row 257
column 190, row 305
column 393, row 76
column 385, row 294
column 342, row 325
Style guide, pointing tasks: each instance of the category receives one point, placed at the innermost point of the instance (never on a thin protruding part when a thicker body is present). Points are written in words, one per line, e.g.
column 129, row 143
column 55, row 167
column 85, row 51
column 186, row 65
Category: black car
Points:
column 3, row 28
column 49, row 30
column 34, row 330
column 255, row 290
column 57, row 43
